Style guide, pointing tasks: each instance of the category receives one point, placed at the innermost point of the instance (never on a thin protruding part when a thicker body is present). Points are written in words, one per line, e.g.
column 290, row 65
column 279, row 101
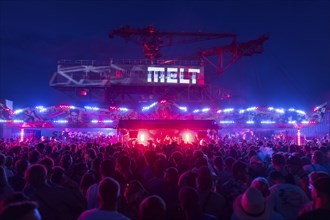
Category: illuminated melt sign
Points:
column 172, row 75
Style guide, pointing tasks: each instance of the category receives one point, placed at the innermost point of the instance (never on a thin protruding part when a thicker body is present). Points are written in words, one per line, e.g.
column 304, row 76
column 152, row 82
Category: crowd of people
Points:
column 224, row 179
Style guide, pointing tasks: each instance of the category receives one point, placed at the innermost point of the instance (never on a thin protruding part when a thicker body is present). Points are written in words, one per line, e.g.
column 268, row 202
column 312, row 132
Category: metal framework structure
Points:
column 122, row 81
column 119, row 81
column 152, row 41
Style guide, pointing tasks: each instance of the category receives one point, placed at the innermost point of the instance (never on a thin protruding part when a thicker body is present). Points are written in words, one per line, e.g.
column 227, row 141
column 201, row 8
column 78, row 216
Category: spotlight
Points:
column 143, row 137
column 187, row 137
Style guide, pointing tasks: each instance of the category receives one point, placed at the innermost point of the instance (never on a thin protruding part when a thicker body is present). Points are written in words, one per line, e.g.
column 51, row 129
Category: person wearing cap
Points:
column 251, row 205
column 261, row 184
column 287, row 199
column 321, row 198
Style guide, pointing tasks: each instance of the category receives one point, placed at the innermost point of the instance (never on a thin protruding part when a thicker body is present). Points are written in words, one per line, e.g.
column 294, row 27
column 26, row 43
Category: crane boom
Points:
column 152, row 41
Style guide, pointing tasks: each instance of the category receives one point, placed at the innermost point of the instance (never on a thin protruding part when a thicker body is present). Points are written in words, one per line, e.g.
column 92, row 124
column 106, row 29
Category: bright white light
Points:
column 227, row 122
column 228, row 110
column 251, row 109
column 280, row 110
column 107, row 121
column 123, row 109
column 292, row 122
column 298, row 136
column 270, row 108
column 41, row 108
column 301, row 112
column 94, row 121
column 148, row 107
column 143, row 137
column 249, row 122
column 18, row 121
column 291, row 109
column 305, row 122
column 196, row 110
column 205, row 109
column 72, row 107
column 219, row 111
column 241, row 111
column 187, row 137
column 91, row 108
column 183, row 108
column 18, row 111
column 267, row 122
column 2, row 121
column 61, row 121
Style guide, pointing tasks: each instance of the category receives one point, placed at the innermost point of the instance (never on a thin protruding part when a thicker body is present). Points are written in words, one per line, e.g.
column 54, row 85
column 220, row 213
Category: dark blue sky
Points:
column 293, row 71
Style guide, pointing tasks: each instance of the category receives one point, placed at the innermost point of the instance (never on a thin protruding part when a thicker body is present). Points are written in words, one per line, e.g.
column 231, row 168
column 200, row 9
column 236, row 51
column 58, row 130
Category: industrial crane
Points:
column 152, row 41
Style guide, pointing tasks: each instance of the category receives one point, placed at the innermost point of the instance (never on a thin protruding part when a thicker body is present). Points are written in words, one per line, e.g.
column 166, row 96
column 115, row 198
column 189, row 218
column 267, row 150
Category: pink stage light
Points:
column 67, row 106
column 22, row 135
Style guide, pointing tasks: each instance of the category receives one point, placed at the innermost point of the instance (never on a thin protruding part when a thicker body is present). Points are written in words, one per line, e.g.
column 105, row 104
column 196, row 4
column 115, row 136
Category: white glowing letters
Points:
column 172, row 75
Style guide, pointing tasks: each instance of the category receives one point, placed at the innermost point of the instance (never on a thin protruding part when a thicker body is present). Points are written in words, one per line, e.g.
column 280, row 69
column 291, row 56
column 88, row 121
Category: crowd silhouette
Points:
column 227, row 178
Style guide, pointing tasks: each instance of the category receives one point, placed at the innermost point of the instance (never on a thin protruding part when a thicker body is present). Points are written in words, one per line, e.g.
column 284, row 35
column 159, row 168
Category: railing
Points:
column 130, row 62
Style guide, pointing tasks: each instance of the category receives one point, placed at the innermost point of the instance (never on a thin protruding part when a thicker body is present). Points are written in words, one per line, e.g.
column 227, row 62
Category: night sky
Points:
column 293, row 71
